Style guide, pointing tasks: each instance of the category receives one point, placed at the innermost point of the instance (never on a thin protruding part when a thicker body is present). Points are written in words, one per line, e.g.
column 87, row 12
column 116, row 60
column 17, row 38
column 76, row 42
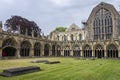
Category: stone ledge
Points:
column 52, row 62
column 19, row 71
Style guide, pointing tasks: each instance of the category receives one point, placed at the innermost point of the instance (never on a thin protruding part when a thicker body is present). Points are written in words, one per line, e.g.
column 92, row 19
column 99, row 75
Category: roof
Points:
column 73, row 27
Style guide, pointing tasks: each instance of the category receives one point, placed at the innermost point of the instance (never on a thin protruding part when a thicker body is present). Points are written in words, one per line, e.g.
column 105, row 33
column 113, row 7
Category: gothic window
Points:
column 87, row 52
column 99, row 51
column 37, row 49
column 103, row 25
column 112, row 51
column 72, row 39
column 65, row 38
column 25, row 49
column 80, row 37
column 58, row 38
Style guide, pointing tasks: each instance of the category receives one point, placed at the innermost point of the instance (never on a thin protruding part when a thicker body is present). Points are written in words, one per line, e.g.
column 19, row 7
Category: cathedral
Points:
column 100, row 38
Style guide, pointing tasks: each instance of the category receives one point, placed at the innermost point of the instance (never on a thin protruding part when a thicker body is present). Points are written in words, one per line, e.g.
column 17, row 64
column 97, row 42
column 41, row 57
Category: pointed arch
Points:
column 87, row 51
column 9, row 47
column 46, row 49
column 112, row 51
column 99, row 51
column 37, row 49
column 76, row 51
column 67, row 51
column 25, row 49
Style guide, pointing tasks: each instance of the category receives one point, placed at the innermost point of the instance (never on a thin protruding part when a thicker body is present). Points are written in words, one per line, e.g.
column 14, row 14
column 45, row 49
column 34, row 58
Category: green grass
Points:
column 68, row 69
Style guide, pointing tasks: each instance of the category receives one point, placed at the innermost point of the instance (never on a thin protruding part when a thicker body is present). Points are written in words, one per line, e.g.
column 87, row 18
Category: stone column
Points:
column 82, row 53
column 31, row 52
column 71, row 53
column 62, row 52
column 105, row 53
column 93, row 53
column 119, row 53
column 50, row 52
column 18, row 53
column 32, row 33
column 42, row 50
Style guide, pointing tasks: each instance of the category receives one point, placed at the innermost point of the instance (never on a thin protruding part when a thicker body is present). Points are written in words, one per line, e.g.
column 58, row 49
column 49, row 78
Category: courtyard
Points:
column 68, row 69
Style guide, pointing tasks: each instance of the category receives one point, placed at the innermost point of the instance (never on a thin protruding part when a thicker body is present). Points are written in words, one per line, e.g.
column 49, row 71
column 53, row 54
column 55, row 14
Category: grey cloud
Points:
column 49, row 15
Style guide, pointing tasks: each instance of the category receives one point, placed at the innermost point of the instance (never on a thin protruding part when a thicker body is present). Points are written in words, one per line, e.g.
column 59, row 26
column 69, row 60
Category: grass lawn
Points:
column 68, row 69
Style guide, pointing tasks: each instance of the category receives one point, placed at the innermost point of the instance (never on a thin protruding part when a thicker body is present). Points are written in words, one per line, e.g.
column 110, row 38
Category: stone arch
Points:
column 58, row 50
column 37, row 49
column 112, row 51
column 9, row 46
column 46, row 50
column 9, row 42
column 87, row 51
column 99, row 51
column 67, row 50
column 53, row 50
column 76, row 51
column 25, row 47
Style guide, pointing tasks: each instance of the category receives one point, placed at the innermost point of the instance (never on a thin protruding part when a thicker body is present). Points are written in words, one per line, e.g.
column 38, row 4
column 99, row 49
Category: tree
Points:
column 15, row 22
column 60, row 29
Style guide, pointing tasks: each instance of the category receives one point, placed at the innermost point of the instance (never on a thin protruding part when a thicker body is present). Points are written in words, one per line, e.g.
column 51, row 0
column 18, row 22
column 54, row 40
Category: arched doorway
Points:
column 58, row 50
column 87, row 51
column 99, row 51
column 25, row 49
column 53, row 50
column 9, row 52
column 46, row 50
column 112, row 51
column 76, row 51
column 67, row 51
column 37, row 50
column 8, row 48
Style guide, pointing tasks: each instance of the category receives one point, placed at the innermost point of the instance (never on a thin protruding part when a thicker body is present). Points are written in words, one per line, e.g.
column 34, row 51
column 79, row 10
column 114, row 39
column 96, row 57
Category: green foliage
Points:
column 60, row 29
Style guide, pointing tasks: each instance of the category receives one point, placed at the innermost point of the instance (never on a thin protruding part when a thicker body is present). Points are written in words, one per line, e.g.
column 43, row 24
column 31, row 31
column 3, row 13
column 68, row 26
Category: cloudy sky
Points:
column 49, row 14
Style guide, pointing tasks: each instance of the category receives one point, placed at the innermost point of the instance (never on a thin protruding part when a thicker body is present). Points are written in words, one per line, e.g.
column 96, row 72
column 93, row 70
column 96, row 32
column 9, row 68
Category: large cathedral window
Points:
column 103, row 25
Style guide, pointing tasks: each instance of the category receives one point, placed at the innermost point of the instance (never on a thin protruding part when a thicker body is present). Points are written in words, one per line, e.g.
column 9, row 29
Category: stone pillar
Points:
column 105, row 53
column 62, row 52
column 71, row 53
column 93, row 53
column 18, row 53
column 31, row 52
column 50, row 52
column 32, row 33
column 42, row 50
column 119, row 53
column 82, row 53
